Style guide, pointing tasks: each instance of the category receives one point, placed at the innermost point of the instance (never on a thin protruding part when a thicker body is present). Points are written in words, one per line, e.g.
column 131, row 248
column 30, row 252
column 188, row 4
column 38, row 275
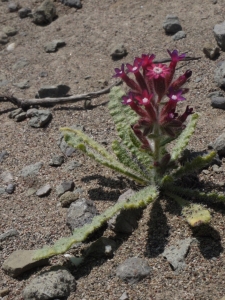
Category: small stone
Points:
column 215, row 94
column 39, row 117
column 176, row 254
column 3, row 38
column 31, row 169
column 24, row 84
column 44, row 190
column 72, row 165
column 69, row 197
column 211, row 51
column 7, row 234
column 13, row 7
column 24, row 12
column 55, row 284
column 10, row 188
column 3, row 155
column 45, row 13
column 43, row 74
column 72, row 3
column 54, row 45
column 56, row 161
column 218, row 102
column 219, row 145
column 20, row 117
column 21, row 261
column 64, row 187
column 171, row 24
column 179, row 35
column 124, row 296
column 15, row 112
column 52, row 91
column 30, row 192
column 80, row 213
column 2, row 190
column 219, row 33
column 219, row 76
column 133, row 270
column 6, row 177
column 118, row 51
column 11, row 47
column 9, row 31
column 206, row 172
column 20, row 64
column 217, row 169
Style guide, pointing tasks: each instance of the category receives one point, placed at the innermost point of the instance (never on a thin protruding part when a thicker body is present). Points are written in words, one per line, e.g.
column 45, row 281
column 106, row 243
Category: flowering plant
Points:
column 146, row 121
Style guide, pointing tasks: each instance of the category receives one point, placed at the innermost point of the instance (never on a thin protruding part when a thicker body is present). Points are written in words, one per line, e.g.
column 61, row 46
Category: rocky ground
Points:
column 80, row 59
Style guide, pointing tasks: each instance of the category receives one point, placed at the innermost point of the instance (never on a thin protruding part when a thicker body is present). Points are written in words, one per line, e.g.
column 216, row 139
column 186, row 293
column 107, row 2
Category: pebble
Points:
column 30, row 170
column 118, row 51
column 24, row 84
column 13, row 7
column 65, row 186
column 11, row 47
column 6, row 176
column 9, row 31
column 219, row 34
column 179, row 35
column 3, row 155
column 54, row 45
column 219, row 75
column 24, row 12
column 38, row 117
column 171, row 24
column 10, row 188
column 20, row 64
column 52, row 91
column 4, row 292
column 211, row 51
column 218, row 102
column 3, row 38
column 44, row 190
column 7, row 234
column 72, row 3
column 56, row 161
column 69, row 197
column 45, row 13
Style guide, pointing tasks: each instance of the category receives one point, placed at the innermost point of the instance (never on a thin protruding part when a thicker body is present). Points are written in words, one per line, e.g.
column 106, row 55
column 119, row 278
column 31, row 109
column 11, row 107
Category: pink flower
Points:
column 129, row 100
column 146, row 60
column 136, row 66
column 175, row 57
column 144, row 98
column 119, row 72
column 175, row 95
column 158, row 70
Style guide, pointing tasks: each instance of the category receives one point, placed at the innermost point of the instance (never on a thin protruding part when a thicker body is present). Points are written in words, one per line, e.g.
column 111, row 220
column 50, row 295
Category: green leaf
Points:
column 140, row 199
column 184, row 137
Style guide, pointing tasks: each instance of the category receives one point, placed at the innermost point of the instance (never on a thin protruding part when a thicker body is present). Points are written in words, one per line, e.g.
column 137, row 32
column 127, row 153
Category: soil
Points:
column 85, row 65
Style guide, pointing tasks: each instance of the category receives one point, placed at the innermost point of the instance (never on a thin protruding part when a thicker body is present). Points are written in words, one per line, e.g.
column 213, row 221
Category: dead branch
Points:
column 25, row 104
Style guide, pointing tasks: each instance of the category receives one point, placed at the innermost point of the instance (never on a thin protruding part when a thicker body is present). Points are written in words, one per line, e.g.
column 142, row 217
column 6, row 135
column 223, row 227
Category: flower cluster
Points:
column 153, row 95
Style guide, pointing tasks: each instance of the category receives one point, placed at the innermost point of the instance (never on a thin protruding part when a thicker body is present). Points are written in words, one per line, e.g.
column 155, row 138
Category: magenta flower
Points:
column 175, row 57
column 146, row 60
column 144, row 98
column 129, row 100
column 119, row 72
column 135, row 68
column 175, row 95
column 158, row 70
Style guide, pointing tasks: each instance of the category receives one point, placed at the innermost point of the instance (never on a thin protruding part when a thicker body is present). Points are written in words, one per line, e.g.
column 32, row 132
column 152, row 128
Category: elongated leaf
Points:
column 184, row 137
column 140, row 199
column 196, row 164
column 195, row 214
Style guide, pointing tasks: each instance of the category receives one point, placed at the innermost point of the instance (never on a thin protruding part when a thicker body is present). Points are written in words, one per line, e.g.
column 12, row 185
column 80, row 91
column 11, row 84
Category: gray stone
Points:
column 3, row 155
column 55, row 284
column 52, row 91
column 15, row 112
column 9, row 31
column 102, row 247
column 3, row 79
column 31, row 169
column 72, row 165
column 20, row 117
column 65, row 186
column 3, row 38
column 13, row 7
column 30, row 192
column 54, row 45
column 219, row 34
column 69, row 197
column 171, row 24
column 215, row 94
column 7, row 234
column 6, row 176
column 39, row 117
column 2, row 191
column 44, row 190
column 176, row 254
column 80, row 212
column 20, row 64
column 72, row 3
column 219, row 76
column 179, row 35
column 56, row 161
column 133, row 270
column 21, row 261
column 211, row 51
column 126, row 220
column 118, row 51
column 24, row 12
column 24, row 84
column 219, row 144
column 10, row 188
column 124, row 296
column 67, row 150
column 45, row 13
column 218, row 102
column 217, row 169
